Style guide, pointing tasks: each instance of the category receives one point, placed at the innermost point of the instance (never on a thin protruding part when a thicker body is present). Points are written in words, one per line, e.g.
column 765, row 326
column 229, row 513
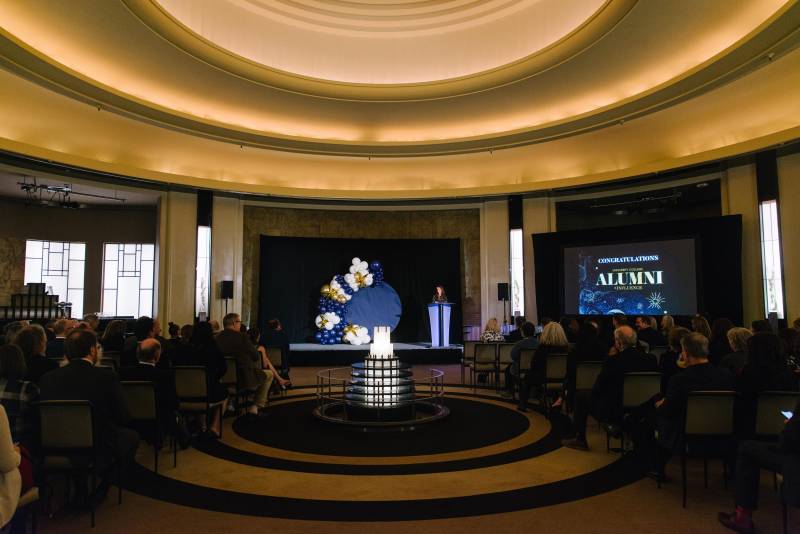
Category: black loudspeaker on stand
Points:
column 502, row 294
column 226, row 292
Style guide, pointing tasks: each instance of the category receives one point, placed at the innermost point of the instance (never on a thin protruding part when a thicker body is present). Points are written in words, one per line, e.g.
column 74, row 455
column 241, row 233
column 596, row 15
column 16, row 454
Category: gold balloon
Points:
column 325, row 291
column 341, row 299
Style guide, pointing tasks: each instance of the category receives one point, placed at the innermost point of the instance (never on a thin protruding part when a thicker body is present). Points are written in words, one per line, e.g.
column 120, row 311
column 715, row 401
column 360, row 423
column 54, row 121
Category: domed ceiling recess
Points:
column 359, row 99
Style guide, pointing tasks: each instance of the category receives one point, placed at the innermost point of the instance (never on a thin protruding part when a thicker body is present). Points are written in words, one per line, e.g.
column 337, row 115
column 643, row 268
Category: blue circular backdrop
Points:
column 375, row 306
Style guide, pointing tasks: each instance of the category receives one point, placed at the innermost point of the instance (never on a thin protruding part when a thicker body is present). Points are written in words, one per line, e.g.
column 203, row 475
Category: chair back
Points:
column 114, row 355
column 485, row 352
column 190, row 382
column 140, row 398
column 658, row 352
column 66, row 425
column 770, row 404
column 504, row 353
column 586, row 374
column 108, row 362
column 275, row 355
column 526, row 359
column 231, row 376
column 709, row 413
column 638, row 388
column 556, row 367
column 469, row 350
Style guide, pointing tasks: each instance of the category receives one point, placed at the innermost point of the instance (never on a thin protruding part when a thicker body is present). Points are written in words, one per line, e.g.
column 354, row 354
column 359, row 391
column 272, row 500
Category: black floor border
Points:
column 618, row 474
column 559, row 425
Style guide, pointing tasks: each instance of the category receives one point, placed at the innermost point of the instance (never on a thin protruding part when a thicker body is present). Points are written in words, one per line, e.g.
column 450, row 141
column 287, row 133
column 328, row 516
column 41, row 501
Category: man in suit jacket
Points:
column 235, row 344
column 163, row 380
column 81, row 380
column 55, row 347
column 783, row 457
column 648, row 334
column 143, row 329
column 604, row 402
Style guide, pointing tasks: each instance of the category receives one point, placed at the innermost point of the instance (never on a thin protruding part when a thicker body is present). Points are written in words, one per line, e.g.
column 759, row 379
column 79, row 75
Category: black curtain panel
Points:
column 294, row 268
column 718, row 256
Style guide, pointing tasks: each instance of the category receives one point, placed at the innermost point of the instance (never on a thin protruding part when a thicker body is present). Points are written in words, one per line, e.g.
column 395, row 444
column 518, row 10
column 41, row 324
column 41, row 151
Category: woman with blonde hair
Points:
column 491, row 334
column 552, row 340
column 667, row 324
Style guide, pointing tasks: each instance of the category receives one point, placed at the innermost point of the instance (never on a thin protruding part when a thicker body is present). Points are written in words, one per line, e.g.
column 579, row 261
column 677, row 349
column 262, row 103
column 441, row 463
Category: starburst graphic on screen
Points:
column 655, row 300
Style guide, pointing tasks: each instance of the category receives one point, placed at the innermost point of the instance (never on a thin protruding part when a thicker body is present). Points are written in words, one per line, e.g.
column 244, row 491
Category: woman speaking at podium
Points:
column 439, row 295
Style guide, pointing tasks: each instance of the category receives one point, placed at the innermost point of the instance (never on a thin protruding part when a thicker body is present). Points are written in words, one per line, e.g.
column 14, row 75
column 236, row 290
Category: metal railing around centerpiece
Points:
column 381, row 391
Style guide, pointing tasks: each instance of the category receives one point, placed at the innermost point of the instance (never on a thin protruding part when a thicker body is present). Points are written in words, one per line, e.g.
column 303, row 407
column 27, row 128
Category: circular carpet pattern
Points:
column 477, row 421
column 470, row 425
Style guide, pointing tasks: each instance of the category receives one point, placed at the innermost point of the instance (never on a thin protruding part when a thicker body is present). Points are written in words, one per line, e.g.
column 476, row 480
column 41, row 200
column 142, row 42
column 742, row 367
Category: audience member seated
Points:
column 783, row 457
column 646, row 331
column 516, row 334
column 33, row 343
column 719, row 346
column 700, row 325
column 667, row 324
column 737, row 339
column 699, row 375
column 92, row 320
column 671, row 361
column 790, row 342
column 255, row 336
column 182, row 350
column 491, row 334
column 512, row 372
column 17, row 396
column 114, row 336
column 765, row 370
column 206, row 353
column 55, row 347
column 11, row 486
column 234, row 344
column 761, row 325
column 588, row 348
column 215, row 326
column 570, row 326
column 164, row 381
column 604, row 401
column 11, row 330
column 81, row 380
column 143, row 329
column 617, row 320
column 275, row 336
column 553, row 340
column 165, row 362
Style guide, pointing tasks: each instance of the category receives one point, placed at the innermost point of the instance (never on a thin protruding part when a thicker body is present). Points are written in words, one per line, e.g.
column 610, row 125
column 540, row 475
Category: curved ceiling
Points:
column 380, row 43
column 396, row 98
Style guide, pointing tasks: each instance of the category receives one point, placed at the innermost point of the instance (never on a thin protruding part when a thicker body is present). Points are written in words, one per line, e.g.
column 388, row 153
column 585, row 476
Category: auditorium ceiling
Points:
column 396, row 99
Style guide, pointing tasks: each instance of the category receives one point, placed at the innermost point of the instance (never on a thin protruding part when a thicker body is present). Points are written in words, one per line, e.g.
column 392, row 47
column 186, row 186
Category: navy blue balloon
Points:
column 375, row 266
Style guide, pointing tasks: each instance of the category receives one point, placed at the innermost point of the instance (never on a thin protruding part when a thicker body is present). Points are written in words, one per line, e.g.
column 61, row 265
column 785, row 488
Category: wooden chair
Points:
column 142, row 402
column 192, row 389
column 708, row 416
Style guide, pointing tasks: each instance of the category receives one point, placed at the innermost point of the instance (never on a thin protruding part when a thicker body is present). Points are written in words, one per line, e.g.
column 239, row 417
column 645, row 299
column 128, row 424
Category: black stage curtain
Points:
column 294, row 268
column 718, row 257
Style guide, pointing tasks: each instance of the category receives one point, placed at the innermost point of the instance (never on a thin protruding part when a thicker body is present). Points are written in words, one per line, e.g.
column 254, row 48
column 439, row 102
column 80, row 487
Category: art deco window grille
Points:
column 60, row 266
column 128, row 274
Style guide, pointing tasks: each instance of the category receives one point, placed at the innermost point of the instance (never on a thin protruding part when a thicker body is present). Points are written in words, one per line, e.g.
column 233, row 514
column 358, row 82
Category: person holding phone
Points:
column 783, row 458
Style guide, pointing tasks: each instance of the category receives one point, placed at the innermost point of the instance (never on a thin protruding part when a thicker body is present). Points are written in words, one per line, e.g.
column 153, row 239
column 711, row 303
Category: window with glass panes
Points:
column 60, row 265
column 128, row 273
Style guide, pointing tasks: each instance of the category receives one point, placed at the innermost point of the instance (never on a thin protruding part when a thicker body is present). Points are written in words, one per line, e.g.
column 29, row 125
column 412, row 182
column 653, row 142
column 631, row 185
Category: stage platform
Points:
column 313, row 354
